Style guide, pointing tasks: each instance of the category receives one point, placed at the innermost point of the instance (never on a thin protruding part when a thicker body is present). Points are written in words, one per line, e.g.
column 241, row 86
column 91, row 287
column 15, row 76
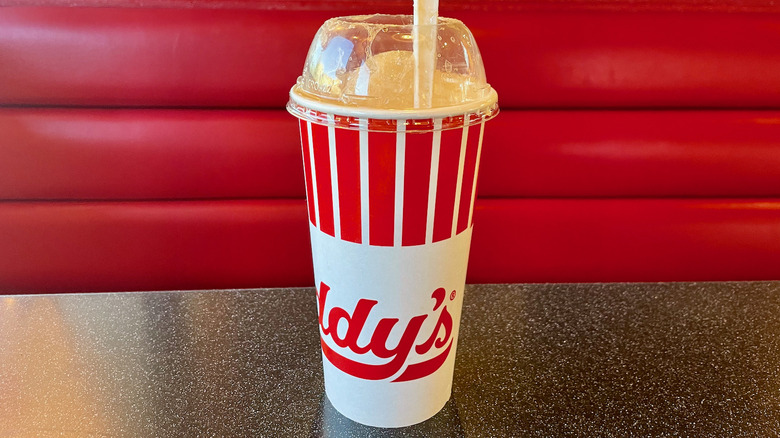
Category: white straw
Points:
column 426, row 12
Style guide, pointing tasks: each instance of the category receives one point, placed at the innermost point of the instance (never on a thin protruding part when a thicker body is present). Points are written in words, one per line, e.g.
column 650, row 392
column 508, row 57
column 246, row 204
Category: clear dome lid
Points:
column 384, row 67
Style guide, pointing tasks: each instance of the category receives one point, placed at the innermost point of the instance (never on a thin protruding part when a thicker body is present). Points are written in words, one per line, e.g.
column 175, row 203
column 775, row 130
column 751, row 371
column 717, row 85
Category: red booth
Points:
column 144, row 145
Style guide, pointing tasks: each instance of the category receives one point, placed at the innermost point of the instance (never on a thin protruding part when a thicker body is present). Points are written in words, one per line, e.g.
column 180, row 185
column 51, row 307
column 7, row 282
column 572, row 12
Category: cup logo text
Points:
column 406, row 349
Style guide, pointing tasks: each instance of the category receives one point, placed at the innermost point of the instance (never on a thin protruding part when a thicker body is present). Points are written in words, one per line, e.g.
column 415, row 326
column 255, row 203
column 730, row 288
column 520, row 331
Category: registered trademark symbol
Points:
column 452, row 296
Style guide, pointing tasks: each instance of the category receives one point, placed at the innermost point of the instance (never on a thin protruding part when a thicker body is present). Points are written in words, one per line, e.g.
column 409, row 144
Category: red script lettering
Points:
column 398, row 355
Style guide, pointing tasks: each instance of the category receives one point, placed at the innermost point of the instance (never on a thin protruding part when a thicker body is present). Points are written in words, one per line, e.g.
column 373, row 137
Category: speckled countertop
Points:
column 595, row 360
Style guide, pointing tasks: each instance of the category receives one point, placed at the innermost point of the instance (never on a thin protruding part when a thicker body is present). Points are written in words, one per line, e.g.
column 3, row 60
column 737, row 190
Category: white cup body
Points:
column 390, row 217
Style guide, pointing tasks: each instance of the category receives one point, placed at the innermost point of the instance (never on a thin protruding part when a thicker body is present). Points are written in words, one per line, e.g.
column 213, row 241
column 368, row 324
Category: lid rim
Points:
column 361, row 19
column 385, row 114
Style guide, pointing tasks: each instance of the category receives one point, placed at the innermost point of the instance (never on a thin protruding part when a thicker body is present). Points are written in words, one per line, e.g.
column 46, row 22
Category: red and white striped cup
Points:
column 390, row 216
column 390, row 196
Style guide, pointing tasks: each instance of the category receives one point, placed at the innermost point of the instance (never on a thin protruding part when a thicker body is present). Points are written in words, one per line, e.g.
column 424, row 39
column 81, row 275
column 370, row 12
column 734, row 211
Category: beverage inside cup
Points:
column 391, row 145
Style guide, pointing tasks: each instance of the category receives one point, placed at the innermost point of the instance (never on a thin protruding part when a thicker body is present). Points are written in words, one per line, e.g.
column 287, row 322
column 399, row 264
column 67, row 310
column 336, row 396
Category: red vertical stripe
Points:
column 322, row 173
column 307, row 170
column 469, row 169
column 476, row 168
column 447, row 183
column 348, row 165
column 417, row 170
column 381, row 187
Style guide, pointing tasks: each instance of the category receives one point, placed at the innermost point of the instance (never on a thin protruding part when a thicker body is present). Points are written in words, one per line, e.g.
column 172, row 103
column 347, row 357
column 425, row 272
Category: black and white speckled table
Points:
column 681, row 359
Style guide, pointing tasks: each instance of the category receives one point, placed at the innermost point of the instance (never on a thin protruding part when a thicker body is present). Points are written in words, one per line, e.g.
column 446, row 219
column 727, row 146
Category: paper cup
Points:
column 390, row 194
column 390, row 217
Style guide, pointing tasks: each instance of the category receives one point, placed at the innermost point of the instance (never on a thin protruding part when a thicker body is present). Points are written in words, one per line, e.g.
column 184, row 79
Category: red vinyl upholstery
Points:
column 152, row 245
column 551, row 57
column 144, row 145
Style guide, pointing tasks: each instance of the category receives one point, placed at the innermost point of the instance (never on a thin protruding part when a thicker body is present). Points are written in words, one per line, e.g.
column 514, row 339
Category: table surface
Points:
column 669, row 359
